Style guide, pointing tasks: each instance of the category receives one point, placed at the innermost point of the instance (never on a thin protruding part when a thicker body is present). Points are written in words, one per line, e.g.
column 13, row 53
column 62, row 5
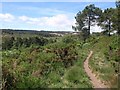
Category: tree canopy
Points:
column 86, row 18
column 117, row 23
column 107, row 19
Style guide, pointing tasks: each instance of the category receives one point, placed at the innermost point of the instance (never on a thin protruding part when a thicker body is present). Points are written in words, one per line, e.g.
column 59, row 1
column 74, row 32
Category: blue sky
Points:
column 55, row 16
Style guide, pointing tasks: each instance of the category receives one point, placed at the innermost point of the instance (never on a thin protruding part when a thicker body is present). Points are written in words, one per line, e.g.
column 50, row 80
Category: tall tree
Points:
column 106, row 20
column 85, row 18
column 118, row 16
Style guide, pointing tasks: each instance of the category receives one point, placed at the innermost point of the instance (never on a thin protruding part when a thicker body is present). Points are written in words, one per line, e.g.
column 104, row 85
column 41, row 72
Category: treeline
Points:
column 107, row 19
column 31, row 32
column 26, row 32
column 12, row 42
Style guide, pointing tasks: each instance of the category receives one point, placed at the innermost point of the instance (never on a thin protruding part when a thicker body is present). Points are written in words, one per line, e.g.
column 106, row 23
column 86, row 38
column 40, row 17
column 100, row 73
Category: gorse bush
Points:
column 105, row 59
column 37, row 66
column 12, row 42
column 36, row 62
column 112, row 53
column 68, row 39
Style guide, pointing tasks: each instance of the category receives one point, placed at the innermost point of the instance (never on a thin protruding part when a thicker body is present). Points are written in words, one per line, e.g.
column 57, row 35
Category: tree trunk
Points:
column 109, row 27
column 118, row 20
column 89, row 25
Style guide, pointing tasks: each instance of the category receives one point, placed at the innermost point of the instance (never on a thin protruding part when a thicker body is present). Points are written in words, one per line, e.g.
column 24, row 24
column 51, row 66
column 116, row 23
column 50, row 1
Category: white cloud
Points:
column 60, row 20
column 57, row 21
column 6, row 17
column 23, row 18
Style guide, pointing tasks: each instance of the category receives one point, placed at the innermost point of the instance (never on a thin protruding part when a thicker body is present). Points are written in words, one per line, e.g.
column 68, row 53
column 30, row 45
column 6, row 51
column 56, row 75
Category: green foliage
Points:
column 117, row 17
column 68, row 39
column 12, row 42
column 112, row 54
column 8, row 43
column 85, row 18
column 75, row 74
column 105, row 59
column 106, row 20
column 37, row 66
column 39, row 62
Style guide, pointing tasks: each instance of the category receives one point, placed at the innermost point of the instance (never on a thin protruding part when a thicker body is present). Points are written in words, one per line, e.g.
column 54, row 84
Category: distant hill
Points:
column 33, row 32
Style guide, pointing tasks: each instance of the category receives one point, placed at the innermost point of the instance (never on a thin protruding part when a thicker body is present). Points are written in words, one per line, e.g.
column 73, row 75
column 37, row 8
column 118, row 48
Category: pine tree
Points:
column 85, row 18
column 106, row 20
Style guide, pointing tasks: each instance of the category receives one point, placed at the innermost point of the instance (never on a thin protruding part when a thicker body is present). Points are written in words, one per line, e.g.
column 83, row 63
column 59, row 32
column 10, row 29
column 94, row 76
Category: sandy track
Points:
column 96, row 83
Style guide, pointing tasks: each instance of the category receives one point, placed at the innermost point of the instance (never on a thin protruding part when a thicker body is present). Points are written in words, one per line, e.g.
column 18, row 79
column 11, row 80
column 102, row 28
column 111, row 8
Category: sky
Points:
column 49, row 16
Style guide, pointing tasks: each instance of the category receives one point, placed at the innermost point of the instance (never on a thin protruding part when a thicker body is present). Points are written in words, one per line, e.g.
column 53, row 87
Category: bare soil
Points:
column 94, row 80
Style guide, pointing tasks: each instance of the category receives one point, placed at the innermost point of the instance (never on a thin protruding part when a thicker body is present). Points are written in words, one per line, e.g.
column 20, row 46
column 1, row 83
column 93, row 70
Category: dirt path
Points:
column 96, row 83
